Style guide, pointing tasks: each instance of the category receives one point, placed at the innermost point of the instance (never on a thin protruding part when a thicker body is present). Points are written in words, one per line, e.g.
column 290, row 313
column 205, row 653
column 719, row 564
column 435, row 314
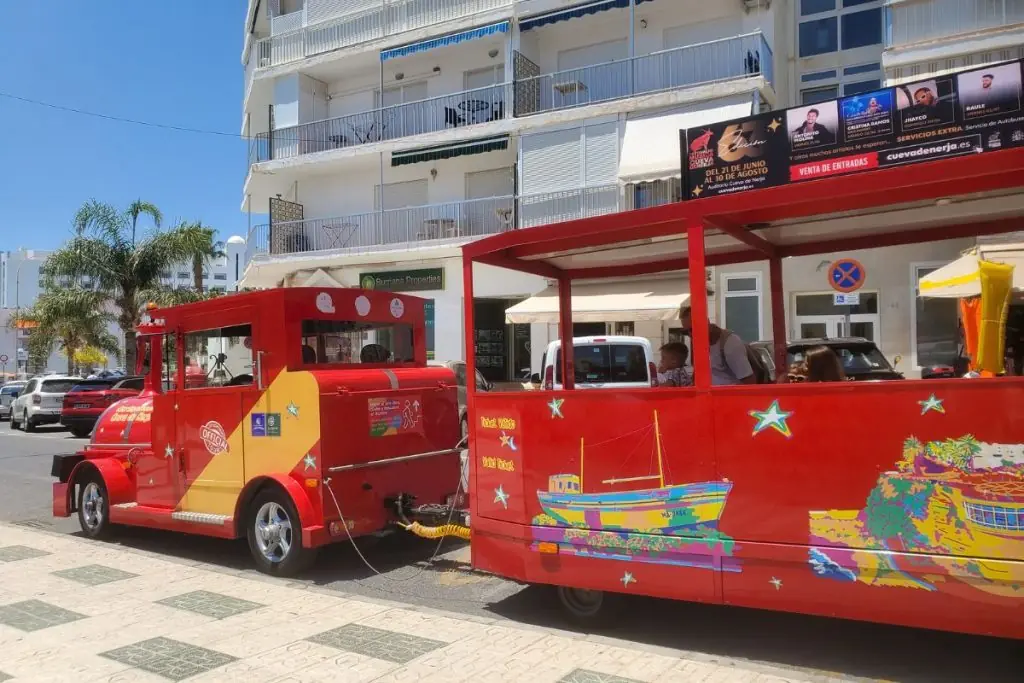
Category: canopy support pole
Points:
column 565, row 331
column 700, row 334
column 469, row 338
column 778, row 315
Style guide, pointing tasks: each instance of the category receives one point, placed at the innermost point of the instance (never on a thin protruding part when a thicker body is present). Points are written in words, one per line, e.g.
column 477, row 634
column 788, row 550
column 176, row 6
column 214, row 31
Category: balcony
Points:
column 597, row 200
column 453, row 221
column 293, row 39
column 715, row 61
column 918, row 21
column 435, row 114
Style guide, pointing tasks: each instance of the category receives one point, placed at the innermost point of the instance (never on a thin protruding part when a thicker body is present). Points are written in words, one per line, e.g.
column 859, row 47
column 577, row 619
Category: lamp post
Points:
column 17, row 314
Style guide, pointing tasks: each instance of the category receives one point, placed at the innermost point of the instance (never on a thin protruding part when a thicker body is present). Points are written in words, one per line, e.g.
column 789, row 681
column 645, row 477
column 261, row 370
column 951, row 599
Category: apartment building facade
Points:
column 384, row 134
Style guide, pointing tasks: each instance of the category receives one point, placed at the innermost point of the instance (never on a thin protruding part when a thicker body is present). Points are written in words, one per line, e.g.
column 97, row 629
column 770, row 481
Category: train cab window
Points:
column 347, row 342
column 219, row 357
column 170, row 362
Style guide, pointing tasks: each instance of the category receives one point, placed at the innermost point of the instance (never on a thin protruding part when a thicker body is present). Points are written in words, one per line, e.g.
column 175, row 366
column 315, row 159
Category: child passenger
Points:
column 672, row 370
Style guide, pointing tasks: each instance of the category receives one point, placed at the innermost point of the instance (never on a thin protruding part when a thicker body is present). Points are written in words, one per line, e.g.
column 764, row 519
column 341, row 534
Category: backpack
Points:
column 761, row 374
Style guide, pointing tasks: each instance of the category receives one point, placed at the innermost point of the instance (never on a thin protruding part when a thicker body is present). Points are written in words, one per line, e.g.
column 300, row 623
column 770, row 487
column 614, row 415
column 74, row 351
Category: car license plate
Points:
column 80, row 406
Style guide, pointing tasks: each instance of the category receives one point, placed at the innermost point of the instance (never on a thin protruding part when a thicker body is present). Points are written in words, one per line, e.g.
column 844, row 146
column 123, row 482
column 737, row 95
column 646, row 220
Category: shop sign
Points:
column 423, row 280
column 945, row 116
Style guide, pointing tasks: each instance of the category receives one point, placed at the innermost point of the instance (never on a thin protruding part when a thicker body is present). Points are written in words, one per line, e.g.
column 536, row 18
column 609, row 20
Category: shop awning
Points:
column 449, row 150
column 961, row 278
column 573, row 13
column 444, row 41
column 650, row 147
column 606, row 302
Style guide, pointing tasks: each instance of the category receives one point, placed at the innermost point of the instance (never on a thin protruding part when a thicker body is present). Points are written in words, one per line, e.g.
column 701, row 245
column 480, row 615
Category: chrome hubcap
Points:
column 273, row 532
column 92, row 506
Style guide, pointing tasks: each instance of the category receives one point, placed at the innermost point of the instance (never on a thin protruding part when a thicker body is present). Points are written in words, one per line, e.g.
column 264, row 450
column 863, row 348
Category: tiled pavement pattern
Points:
column 77, row 610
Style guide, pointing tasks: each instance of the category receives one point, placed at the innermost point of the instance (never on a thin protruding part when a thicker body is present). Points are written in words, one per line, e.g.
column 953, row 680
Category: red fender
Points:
column 119, row 487
column 308, row 518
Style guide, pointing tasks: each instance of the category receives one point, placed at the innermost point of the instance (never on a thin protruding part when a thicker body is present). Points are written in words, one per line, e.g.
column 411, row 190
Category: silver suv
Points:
column 41, row 400
column 8, row 393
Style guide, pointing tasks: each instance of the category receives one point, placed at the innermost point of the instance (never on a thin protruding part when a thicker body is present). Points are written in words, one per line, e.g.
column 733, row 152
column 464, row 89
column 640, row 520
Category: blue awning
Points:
column 573, row 13
column 443, row 41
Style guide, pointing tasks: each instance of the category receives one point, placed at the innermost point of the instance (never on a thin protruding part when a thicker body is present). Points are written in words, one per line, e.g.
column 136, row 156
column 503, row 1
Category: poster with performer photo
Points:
column 939, row 118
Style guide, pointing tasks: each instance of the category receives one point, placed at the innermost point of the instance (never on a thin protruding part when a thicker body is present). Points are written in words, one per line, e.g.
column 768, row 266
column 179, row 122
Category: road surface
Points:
column 825, row 648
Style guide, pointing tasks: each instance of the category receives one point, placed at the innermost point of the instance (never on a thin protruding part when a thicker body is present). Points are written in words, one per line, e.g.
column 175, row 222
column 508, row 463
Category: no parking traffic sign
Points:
column 846, row 275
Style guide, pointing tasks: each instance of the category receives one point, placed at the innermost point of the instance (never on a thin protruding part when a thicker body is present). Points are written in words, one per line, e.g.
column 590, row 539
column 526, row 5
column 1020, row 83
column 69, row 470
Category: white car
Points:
column 8, row 393
column 607, row 362
column 41, row 400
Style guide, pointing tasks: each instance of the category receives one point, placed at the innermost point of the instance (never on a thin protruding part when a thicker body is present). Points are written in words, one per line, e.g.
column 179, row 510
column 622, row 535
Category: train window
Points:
column 218, row 357
column 341, row 341
column 170, row 367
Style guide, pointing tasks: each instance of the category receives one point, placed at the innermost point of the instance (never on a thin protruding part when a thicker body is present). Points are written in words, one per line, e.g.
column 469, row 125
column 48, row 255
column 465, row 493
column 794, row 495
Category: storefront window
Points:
column 936, row 331
column 741, row 305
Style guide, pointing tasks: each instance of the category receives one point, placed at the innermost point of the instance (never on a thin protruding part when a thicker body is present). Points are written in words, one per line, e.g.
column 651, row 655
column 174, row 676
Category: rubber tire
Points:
column 601, row 617
column 79, row 433
column 28, row 424
column 104, row 530
column 299, row 558
column 13, row 422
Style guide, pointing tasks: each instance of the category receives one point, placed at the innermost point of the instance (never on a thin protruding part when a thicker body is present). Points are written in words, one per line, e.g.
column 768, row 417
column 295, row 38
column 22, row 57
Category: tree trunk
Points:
column 71, row 360
column 128, row 318
column 129, row 351
column 197, row 273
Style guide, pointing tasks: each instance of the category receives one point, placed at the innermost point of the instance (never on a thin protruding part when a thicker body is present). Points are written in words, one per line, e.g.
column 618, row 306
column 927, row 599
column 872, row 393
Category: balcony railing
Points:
column 395, row 227
column 398, row 121
column 715, row 61
column 386, row 18
column 918, row 21
column 454, row 220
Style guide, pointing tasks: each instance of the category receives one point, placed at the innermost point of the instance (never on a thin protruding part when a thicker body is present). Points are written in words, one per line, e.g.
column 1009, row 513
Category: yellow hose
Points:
column 456, row 530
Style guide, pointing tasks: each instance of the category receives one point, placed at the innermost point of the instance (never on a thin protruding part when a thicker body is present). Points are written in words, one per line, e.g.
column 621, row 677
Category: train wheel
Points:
column 586, row 607
column 93, row 506
column 275, row 535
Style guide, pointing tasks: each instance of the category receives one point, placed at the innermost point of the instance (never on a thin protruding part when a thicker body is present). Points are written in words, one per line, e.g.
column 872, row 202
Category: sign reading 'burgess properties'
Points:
column 938, row 118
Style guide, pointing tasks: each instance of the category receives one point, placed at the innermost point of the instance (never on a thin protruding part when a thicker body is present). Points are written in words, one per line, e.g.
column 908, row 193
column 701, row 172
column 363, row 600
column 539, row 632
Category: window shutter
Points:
column 551, row 161
column 602, row 154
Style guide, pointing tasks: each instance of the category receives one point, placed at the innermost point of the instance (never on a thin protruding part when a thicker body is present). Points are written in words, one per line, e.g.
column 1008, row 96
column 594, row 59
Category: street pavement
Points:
column 519, row 629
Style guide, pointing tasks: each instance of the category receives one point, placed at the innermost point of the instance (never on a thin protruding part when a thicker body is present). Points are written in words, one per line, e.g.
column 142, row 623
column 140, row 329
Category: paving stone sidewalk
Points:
column 76, row 610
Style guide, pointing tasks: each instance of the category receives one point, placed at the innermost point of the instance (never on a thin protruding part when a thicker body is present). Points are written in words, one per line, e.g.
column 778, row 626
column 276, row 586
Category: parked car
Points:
column 8, row 393
column 613, row 362
column 87, row 400
column 482, row 384
column 861, row 358
column 41, row 400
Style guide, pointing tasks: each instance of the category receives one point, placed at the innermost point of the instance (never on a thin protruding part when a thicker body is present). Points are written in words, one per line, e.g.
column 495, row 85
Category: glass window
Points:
column 133, row 384
column 816, row 95
column 742, row 315
column 606, row 363
column 183, row 275
column 822, row 304
column 936, row 327
column 170, row 368
column 854, row 3
column 220, row 276
column 342, row 341
column 819, row 37
column 9, row 391
column 218, row 357
column 57, row 386
column 741, row 284
column 460, row 374
column 862, row 28
column 862, row 69
column 818, row 76
column 816, row 6
column 861, row 87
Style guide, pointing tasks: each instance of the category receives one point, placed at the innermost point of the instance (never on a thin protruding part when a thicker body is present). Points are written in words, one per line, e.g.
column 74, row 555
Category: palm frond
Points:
column 100, row 220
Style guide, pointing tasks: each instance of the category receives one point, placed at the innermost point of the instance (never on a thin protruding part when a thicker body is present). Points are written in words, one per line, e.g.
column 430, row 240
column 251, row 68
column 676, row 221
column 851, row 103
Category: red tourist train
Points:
column 898, row 502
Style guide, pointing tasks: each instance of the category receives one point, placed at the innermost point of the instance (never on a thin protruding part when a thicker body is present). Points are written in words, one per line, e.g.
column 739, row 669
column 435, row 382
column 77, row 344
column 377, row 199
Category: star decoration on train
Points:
column 774, row 125
column 168, row 451
column 930, row 404
column 309, row 462
column 508, row 442
column 556, row 407
column 292, row 409
column 627, row 578
column 697, row 190
column 501, row 497
column 777, row 582
column 773, row 418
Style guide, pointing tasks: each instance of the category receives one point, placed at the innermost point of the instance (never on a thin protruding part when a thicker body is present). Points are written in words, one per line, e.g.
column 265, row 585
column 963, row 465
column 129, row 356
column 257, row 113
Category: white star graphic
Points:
column 501, row 497
column 777, row 583
column 168, row 451
column 627, row 578
column 556, row 407
column 293, row 409
column 932, row 403
column 309, row 462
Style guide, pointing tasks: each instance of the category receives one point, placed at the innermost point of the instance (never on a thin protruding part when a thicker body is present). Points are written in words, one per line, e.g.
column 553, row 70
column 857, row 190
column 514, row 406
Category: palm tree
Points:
column 105, row 246
column 72, row 318
column 200, row 241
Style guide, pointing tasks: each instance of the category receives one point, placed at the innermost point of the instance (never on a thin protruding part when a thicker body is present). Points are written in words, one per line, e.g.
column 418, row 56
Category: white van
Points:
column 612, row 362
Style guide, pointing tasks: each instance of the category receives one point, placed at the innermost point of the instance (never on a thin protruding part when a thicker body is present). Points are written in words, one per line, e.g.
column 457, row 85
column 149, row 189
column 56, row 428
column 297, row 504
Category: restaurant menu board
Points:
column 936, row 118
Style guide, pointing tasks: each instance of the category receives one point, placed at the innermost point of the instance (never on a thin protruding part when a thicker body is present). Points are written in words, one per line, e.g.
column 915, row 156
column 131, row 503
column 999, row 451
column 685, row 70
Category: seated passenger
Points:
column 373, row 353
column 730, row 363
column 672, row 370
column 823, row 365
column 308, row 354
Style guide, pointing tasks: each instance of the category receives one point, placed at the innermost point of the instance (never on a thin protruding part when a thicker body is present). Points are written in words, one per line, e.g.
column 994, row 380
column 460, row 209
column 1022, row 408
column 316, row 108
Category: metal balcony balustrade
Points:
column 392, row 227
column 917, row 21
column 714, row 61
column 293, row 39
column 390, row 123
column 453, row 220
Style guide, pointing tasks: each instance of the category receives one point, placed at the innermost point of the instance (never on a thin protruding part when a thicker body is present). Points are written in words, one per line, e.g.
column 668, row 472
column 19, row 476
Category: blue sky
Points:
column 176, row 63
